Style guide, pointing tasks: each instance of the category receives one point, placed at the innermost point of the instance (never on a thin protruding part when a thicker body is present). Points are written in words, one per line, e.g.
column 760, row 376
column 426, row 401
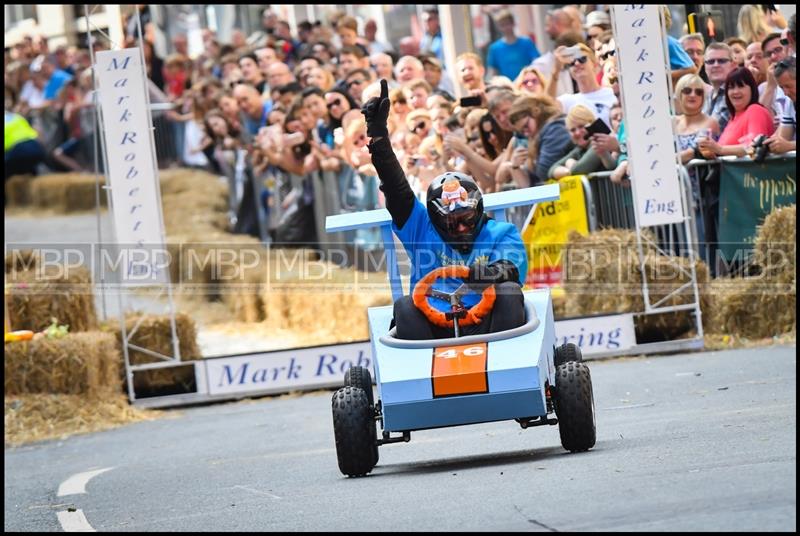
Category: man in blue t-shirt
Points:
column 56, row 78
column 451, row 230
column 509, row 54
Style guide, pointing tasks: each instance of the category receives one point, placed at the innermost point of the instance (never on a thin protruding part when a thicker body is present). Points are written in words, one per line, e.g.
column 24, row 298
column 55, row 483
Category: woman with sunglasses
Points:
column 529, row 81
column 583, row 67
column 692, row 125
column 338, row 103
column 445, row 232
column 748, row 118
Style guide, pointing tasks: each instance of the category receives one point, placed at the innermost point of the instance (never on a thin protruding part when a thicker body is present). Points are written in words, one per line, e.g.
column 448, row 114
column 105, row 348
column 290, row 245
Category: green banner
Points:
column 748, row 193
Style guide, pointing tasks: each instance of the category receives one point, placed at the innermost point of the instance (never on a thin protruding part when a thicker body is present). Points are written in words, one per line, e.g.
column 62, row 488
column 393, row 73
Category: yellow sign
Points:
column 547, row 233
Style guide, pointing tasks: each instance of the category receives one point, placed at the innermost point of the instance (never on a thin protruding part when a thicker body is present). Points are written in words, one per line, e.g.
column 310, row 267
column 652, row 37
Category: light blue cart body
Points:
column 519, row 361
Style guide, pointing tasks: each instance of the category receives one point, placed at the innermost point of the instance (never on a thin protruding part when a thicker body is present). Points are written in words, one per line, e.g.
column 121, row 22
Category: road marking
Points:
column 74, row 521
column 258, row 491
column 77, row 483
column 650, row 404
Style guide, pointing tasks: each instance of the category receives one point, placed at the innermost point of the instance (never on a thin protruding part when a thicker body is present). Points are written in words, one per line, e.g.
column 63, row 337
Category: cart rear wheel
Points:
column 360, row 377
column 565, row 353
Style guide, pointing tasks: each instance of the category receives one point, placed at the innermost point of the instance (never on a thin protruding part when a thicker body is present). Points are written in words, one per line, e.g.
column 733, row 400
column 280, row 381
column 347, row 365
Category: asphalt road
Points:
column 702, row 442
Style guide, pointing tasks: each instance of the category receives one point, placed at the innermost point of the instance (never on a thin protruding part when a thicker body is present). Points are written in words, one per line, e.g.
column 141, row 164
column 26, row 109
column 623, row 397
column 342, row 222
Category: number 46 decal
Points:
column 458, row 351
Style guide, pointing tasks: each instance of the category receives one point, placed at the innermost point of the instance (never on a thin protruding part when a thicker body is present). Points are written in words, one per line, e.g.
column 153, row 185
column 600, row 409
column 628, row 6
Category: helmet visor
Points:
column 461, row 221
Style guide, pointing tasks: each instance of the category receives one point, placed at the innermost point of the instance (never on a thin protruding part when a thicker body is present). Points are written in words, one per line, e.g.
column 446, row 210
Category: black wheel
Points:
column 354, row 431
column 574, row 404
column 360, row 377
column 565, row 353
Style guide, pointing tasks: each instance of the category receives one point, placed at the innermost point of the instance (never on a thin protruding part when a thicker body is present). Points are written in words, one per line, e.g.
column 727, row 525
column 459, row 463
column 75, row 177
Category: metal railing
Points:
column 613, row 208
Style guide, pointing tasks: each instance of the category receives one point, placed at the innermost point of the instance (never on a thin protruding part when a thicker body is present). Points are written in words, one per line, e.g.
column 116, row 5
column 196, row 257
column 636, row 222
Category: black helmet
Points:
column 455, row 203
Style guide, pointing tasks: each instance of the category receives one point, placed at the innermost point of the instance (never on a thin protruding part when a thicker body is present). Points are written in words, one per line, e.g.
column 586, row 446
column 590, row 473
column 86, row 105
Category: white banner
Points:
column 285, row 370
column 131, row 166
column 644, row 74
column 313, row 368
column 598, row 334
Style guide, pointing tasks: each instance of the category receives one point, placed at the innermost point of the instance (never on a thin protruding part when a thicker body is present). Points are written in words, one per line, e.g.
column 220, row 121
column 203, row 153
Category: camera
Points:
column 761, row 149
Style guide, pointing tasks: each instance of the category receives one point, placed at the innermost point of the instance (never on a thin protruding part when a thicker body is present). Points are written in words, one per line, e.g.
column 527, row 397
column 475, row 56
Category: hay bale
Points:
column 331, row 300
column 38, row 295
column 597, row 272
column 213, row 259
column 754, row 307
column 764, row 305
column 194, row 202
column 18, row 191
column 603, row 275
column 66, row 192
column 559, row 305
column 19, row 260
column 79, row 363
column 776, row 245
column 243, row 294
column 37, row 417
column 155, row 334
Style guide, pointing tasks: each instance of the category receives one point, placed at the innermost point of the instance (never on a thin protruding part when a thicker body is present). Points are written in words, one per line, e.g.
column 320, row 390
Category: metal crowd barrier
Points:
column 168, row 152
column 612, row 207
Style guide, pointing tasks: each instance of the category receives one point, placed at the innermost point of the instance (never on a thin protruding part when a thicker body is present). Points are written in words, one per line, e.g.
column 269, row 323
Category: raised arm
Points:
column 399, row 196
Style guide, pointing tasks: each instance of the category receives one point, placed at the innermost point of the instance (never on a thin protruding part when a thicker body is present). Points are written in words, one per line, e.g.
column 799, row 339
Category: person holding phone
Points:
column 539, row 119
column 438, row 234
column 582, row 159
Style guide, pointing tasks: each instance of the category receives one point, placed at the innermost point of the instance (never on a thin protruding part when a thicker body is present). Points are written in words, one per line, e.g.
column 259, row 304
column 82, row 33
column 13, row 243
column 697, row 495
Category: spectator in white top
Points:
column 785, row 139
column 583, row 68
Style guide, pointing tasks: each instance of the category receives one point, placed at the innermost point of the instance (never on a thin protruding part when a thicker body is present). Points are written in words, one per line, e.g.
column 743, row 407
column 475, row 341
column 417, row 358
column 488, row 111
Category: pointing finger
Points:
column 384, row 89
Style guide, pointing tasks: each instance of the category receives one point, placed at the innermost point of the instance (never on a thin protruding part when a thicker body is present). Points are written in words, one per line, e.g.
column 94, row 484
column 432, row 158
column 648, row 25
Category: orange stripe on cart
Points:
column 460, row 370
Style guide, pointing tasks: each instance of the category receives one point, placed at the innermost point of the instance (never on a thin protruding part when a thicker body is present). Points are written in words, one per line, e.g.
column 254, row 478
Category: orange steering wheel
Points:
column 474, row 315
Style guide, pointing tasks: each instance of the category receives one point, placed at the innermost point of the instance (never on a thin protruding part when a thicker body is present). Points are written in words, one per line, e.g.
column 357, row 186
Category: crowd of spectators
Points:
column 277, row 102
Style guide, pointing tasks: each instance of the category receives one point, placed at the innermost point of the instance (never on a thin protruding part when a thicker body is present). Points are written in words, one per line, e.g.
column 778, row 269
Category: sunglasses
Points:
column 532, row 82
column 698, row 91
column 607, row 55
column 466, row 217
column 473, row 139
column 420, row 125
column 771, row 52
column 717, row 61
column 579, row 59
column 399, row 101
column 784, row 42
column 355, row 83
column 337, row 102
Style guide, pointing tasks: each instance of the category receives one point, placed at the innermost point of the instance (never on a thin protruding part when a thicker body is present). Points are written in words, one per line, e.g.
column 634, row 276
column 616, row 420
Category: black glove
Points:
column 376, row 112
column 493, row 274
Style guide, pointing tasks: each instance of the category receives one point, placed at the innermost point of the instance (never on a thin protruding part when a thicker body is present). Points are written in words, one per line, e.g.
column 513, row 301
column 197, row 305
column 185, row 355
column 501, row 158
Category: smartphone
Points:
column 294, row 139
column 597, row 127
column 520, row 141
column 466, row 102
